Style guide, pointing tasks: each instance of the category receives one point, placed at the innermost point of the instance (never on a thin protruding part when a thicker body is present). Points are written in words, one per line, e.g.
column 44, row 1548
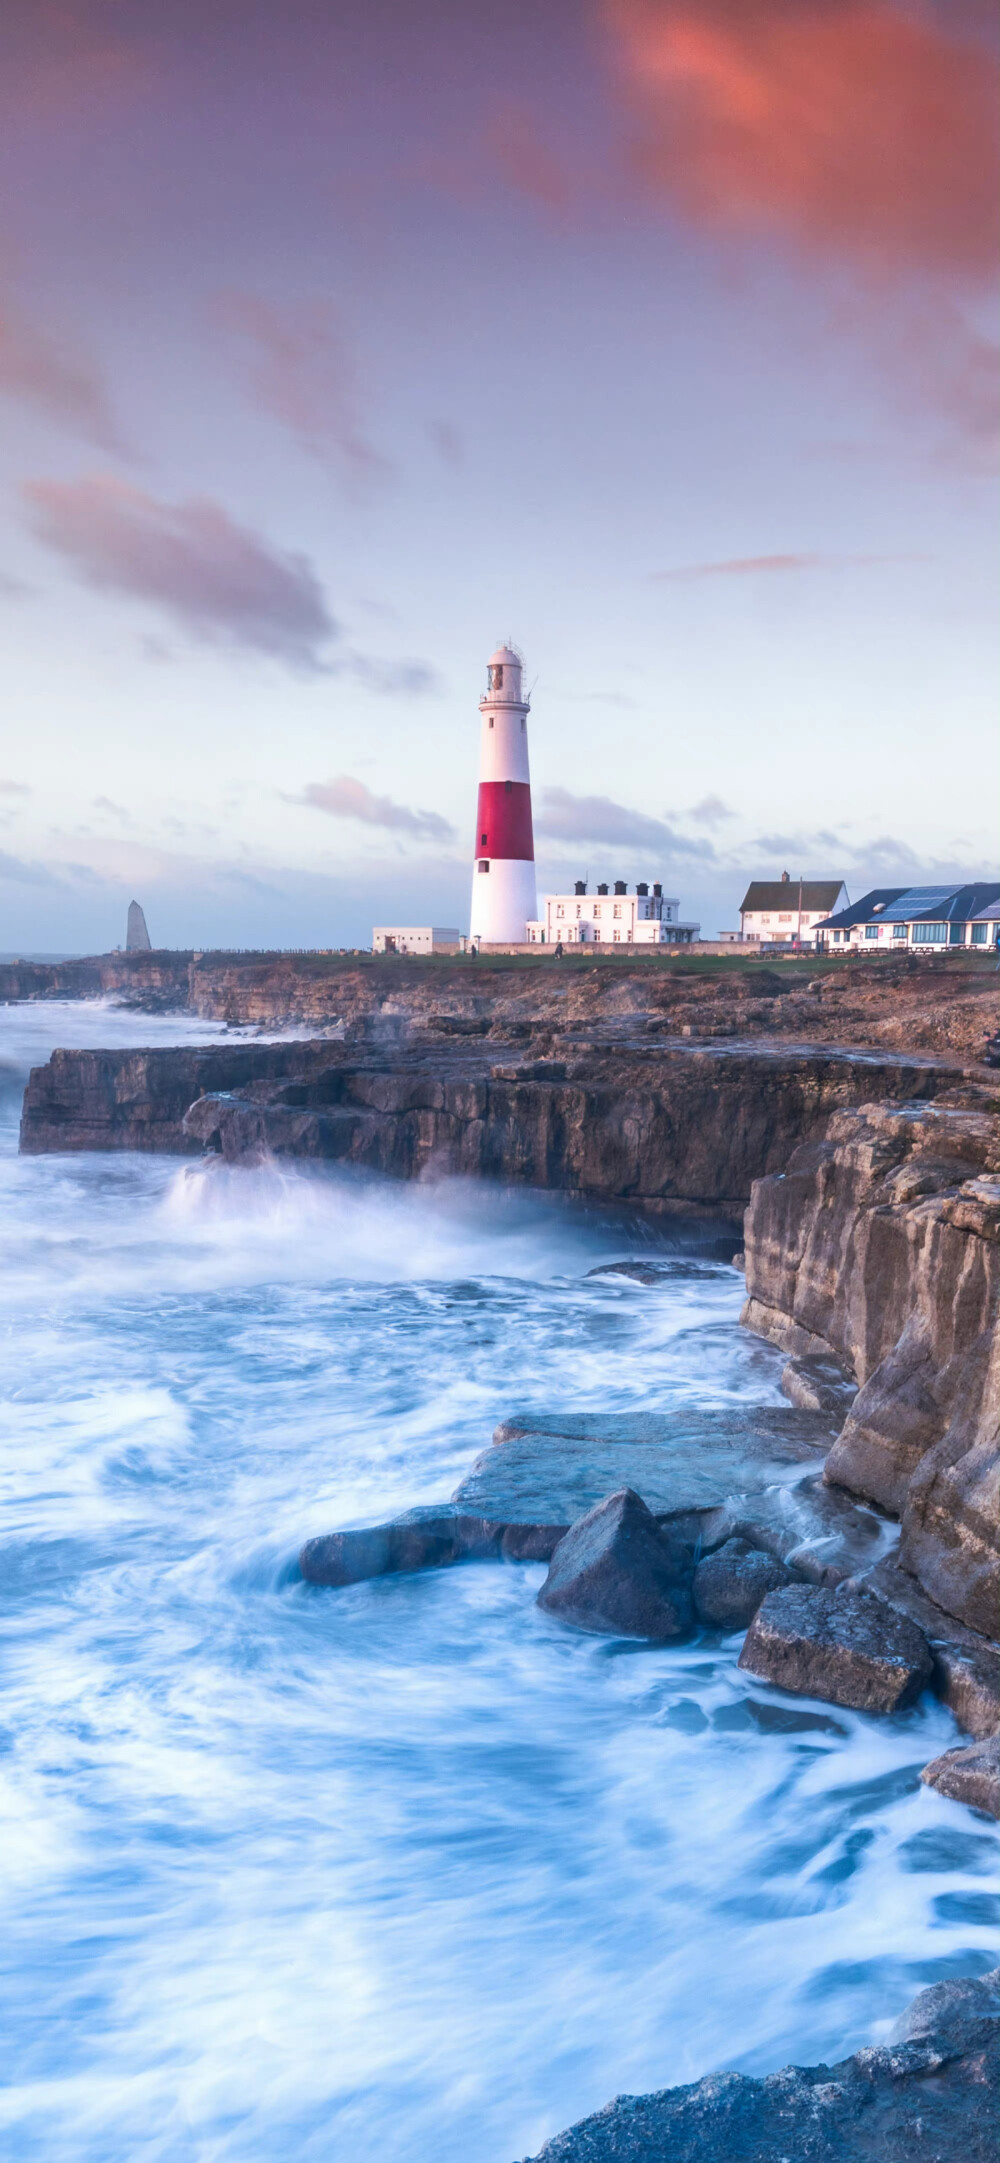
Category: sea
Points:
column 407, row 1873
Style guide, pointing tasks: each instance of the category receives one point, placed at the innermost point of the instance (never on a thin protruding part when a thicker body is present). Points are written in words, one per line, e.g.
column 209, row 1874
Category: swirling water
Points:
column 406, row 1872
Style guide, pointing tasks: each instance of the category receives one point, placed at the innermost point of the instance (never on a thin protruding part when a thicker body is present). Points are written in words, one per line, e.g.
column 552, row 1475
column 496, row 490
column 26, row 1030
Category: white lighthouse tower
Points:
column 503, row 878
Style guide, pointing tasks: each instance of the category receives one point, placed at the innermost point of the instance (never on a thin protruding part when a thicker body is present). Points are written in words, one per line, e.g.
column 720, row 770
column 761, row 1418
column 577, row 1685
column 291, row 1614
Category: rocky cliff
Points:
column 880, row 1245
column 673, row 1126
column 945, row 1005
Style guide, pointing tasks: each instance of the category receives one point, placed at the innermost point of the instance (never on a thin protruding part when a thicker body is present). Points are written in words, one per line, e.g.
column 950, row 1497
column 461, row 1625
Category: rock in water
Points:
column 730, row 1585
column 618, row 1574
column 943, row 2009
column 933, row 2097
column 847, row 1646
column 970, row 1776
column 136, row 936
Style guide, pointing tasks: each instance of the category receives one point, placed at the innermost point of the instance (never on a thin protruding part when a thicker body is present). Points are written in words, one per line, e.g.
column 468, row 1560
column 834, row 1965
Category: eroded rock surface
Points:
column 619, row 1573
column 933, row 2097
column 969, row 1775
column 821, row 1534
column 847, row 1646
column 966, row 1664
column 880, row 1248
column 729, row 1586
column 671, row 1127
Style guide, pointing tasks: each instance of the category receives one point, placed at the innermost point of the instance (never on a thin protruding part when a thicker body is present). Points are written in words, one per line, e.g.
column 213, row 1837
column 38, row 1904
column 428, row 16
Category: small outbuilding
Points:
column 415, row 939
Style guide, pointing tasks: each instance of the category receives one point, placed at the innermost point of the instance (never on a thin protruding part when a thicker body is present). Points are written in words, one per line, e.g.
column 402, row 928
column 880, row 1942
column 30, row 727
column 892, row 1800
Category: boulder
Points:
column 943, row 2009
column 618, row 1573
column 970, row 1775
column 846, row 1646
column 934, row 2096
column 729, row 1586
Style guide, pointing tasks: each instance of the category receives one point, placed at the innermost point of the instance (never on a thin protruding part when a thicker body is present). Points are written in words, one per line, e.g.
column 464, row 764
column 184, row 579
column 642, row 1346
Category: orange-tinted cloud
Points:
column 855, row 129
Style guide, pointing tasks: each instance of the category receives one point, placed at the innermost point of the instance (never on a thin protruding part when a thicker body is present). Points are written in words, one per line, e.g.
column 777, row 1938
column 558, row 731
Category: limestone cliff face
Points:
column 670, row 1127
column 881, row 1244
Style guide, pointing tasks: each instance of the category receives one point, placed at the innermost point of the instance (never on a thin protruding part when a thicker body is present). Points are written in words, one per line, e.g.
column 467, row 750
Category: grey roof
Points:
column 875, row 903
column 784, row 894
column 914, row 905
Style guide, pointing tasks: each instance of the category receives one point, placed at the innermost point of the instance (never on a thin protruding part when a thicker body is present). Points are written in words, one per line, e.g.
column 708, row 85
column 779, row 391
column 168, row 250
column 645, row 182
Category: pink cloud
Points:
column 39, row 370
column 215, row 578
column 755, row 566
column 859, row 130
column 300, row 368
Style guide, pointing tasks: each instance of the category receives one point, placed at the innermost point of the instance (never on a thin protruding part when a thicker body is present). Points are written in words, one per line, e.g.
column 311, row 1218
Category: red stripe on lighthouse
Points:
column 504, row 827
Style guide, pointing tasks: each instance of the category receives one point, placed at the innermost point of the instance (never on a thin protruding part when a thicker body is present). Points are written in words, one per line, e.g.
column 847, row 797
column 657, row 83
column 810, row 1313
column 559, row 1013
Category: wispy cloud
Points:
column 301, row 368
column 391, row 679
column 711, row 811
column 14, row 788
column 346, row 798
column 217, row 579
column 758, row 566
column 21, row 873
column 39, row 370
column 565, row 817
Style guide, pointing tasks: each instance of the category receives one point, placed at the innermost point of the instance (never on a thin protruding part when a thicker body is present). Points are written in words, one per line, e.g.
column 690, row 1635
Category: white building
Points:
column 611, row 917
column 413, row 938
column 894, row 919
column 781, row 911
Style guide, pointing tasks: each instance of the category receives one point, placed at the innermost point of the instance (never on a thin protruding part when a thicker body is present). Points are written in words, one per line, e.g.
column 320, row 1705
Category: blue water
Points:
column 407, row 1872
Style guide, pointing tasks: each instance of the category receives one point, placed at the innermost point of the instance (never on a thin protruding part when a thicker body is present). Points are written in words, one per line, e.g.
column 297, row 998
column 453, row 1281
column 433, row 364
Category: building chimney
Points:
column 657, row 888
column 642, row 887
column 784, row 878
column 620, row 887
column 579, row 886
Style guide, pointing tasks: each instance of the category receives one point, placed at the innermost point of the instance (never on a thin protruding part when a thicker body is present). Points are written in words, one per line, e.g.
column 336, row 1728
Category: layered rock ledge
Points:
column 614, row 1117
column 879, row 1247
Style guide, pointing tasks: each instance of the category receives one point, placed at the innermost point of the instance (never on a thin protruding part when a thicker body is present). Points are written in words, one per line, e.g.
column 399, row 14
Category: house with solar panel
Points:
column 918, row 919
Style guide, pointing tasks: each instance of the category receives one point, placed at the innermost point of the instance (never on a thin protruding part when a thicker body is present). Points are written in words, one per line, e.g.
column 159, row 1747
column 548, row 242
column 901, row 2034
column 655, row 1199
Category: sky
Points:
column 338, row 344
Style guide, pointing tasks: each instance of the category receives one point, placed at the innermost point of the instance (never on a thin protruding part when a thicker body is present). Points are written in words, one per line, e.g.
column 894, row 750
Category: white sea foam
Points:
column 408, row 1872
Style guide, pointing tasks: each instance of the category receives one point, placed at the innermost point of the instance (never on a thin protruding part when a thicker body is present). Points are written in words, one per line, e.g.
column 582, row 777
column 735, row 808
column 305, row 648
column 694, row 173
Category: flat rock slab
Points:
column 933, row 2098
column 847, row 1646
column 551, row 1471
column 421, row 1539
column 970, row 1776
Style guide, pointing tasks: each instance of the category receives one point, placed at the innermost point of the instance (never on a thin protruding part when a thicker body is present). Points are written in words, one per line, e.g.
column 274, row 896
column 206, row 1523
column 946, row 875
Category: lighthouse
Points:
column 503, row 877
